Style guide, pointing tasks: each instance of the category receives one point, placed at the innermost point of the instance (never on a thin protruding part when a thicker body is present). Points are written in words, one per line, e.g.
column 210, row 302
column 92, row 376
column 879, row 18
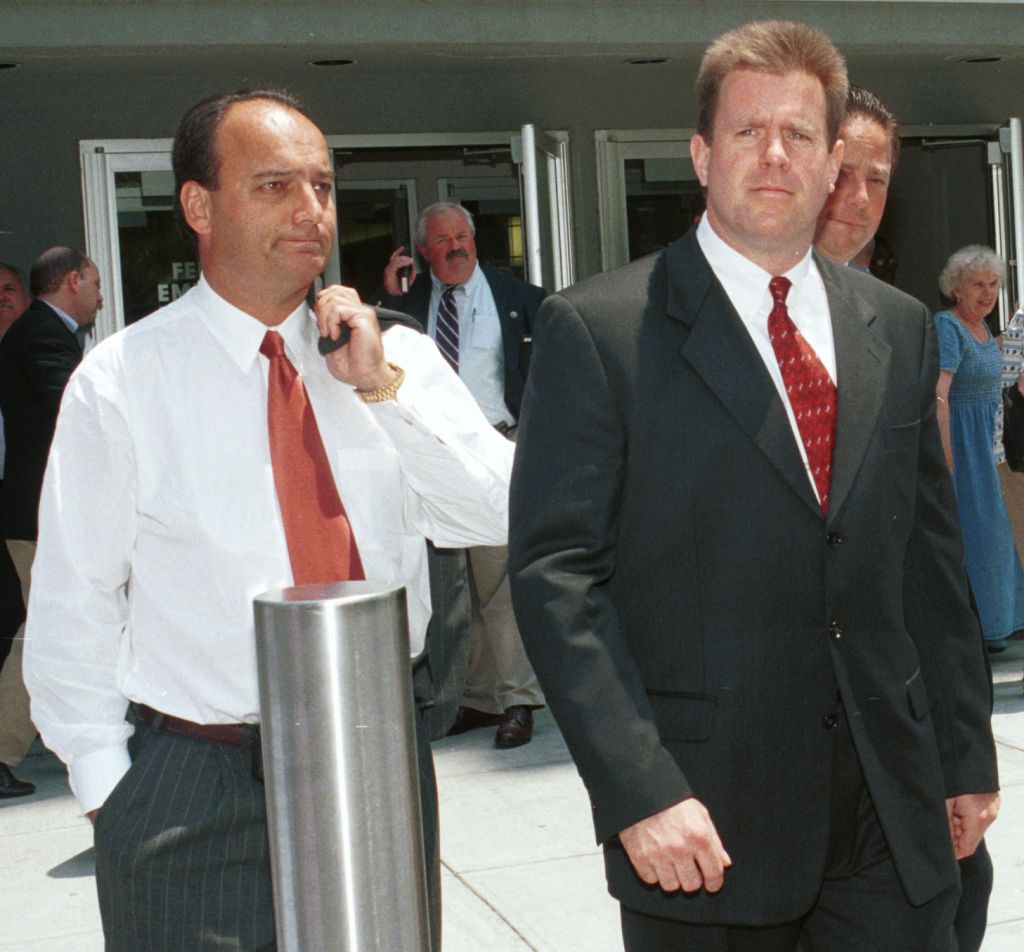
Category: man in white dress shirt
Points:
column 151, row 562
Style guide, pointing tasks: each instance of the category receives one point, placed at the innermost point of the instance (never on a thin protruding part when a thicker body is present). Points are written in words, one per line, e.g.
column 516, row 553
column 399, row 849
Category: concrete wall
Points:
column 93, row 69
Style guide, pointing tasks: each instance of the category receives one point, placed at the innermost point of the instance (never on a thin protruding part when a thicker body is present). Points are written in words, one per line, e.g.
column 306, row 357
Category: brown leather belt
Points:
column 231, row 734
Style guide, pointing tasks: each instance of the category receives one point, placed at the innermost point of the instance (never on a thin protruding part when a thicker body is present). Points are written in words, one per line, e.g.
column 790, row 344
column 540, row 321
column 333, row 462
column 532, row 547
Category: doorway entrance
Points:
column 515, row 184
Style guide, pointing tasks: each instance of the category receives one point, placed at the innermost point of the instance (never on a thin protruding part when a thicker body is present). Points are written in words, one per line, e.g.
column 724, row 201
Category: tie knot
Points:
column 779, row 288
column 273, row 345
column 450, row 289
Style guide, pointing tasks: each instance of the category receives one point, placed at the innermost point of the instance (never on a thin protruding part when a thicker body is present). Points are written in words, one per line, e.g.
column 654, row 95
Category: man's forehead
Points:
column 264, row 128
column 9, row 277
column 447, row 221
column 861, row 133
column 794, row 102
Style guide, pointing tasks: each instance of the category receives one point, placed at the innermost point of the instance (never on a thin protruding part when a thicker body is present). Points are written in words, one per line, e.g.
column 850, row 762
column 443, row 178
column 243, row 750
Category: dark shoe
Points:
column 996, row 645
column 11, row 786
column 516, row 727
column 469, row 719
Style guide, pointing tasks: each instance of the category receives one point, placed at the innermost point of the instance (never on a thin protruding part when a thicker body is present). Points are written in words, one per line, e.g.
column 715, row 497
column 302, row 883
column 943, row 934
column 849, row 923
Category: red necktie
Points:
column 810, row 389
column 320, row 541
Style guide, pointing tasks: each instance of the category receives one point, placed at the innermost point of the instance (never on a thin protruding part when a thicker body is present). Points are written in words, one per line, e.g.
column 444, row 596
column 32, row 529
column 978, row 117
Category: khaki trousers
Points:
column 16, row 728
column 499, row 673
column 1013, row 496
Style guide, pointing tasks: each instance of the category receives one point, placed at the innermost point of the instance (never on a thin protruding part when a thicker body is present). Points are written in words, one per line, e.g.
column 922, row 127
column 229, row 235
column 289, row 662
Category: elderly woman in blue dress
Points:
column 968, row 393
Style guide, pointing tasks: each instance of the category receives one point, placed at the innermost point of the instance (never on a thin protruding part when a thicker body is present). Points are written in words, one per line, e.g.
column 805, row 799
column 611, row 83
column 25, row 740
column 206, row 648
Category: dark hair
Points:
column 195, row 143
column 53, row 266
column 860, row 102
column 19, row 275
column 772, row 46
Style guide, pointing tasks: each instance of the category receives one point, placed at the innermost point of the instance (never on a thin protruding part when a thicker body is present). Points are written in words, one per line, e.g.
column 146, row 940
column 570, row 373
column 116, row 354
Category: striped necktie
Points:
column 447, row 332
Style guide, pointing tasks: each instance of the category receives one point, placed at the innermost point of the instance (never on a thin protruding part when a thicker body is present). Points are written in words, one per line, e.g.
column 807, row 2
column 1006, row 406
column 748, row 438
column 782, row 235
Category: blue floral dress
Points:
column 993, row 568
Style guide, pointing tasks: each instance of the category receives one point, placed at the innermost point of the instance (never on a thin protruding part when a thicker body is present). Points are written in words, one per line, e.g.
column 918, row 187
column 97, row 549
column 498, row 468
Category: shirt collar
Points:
column 467, row 285
column 746, row 283
column 241, row 334
column 69, row 322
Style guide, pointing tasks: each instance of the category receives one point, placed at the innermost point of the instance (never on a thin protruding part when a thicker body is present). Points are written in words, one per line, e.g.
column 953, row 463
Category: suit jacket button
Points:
column 835, row 630
column 829, row 721
column 833, row 538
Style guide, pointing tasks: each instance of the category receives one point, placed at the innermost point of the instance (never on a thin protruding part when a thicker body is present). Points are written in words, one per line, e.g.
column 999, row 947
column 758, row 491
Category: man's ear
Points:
column 195, row 205
column 835, row 163
column 700, row 151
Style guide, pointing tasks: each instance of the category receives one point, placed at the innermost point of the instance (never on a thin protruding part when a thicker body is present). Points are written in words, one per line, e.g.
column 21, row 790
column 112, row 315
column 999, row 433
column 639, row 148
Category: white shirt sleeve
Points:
column 78, row 603
column 456, row 465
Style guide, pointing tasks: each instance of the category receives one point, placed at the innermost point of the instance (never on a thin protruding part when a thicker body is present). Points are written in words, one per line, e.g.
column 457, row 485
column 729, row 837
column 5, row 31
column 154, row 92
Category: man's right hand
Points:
column 678, row 848
column 398, row 260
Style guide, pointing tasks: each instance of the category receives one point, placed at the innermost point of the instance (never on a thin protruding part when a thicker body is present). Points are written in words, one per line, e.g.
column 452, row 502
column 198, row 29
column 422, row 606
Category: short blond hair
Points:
column 773, row 46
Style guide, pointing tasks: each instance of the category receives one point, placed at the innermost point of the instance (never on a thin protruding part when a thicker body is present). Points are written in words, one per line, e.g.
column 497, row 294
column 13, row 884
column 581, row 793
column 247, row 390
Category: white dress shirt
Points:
column 481, row 348
column 746, row 285
column 159, row 521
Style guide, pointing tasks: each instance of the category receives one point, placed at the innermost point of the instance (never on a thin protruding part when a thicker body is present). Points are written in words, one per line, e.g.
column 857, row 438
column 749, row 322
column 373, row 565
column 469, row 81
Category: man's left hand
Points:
column 970, row 815
column 361, row 361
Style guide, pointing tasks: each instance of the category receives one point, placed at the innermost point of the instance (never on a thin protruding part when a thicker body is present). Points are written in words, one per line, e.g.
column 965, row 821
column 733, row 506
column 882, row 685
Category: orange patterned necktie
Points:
column 321, row 545
column 810, row 389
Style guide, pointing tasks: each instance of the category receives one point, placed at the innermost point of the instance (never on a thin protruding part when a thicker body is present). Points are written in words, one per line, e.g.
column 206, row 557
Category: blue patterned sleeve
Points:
column 951, row 343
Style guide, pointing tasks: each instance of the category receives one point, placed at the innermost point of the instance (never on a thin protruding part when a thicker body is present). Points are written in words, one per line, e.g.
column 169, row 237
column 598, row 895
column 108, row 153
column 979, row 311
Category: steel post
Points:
column 339, row 760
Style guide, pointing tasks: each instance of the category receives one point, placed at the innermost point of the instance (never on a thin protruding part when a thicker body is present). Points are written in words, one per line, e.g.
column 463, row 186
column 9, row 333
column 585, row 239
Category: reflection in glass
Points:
column 663, row 199
column 157, row 264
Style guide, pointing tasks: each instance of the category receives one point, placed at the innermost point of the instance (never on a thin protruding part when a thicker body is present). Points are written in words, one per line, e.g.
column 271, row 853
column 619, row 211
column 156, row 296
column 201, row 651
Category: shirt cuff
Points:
column 94, row 776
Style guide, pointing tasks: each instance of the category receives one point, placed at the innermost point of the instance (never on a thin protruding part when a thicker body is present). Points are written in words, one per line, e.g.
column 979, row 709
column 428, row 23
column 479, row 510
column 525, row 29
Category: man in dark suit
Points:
column 736, row 563
column 37, row 355
column 846, row 230
column 14, row 299
column 481, row 321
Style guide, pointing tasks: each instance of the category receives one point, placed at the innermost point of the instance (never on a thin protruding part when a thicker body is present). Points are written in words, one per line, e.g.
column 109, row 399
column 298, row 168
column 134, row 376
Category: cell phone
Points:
column 403, row 278
column 326, row 346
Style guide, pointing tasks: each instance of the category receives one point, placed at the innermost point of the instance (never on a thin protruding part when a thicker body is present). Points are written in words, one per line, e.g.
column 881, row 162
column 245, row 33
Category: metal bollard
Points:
column 339, row 760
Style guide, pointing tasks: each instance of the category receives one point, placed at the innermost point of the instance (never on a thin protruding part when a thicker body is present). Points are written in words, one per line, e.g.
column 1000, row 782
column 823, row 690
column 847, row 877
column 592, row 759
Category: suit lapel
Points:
column 862, row 365
column 416, row 303
column 720, row 350
column 60, row 328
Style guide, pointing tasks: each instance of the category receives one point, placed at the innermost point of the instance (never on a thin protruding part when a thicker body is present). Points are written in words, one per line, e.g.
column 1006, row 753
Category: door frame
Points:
column 100, row 159
column 615, row 146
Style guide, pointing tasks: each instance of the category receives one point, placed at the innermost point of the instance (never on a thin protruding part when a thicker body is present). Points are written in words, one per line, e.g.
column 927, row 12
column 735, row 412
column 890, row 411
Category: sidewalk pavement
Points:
column 521, row 871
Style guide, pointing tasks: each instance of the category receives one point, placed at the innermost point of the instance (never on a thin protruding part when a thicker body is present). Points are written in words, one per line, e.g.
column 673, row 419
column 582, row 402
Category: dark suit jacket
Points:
column 690, row 612
column 517, row 303
column 37, row 355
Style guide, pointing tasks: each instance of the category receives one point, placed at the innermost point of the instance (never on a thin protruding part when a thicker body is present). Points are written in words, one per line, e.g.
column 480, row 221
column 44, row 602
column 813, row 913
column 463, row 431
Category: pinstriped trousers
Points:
column 182, row 855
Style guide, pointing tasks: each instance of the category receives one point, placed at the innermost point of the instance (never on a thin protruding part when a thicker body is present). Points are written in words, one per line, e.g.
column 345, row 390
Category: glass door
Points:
column 546, row 207
column 128, row 190
column 382, row 183
column 648, row 191
column 1008, row 197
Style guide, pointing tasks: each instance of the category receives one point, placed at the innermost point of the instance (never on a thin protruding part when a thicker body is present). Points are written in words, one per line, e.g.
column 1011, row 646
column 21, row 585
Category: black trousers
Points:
column 440, row 674
column 861, row 906
column 182, row 854
column 972, row 913
column 12, row 609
